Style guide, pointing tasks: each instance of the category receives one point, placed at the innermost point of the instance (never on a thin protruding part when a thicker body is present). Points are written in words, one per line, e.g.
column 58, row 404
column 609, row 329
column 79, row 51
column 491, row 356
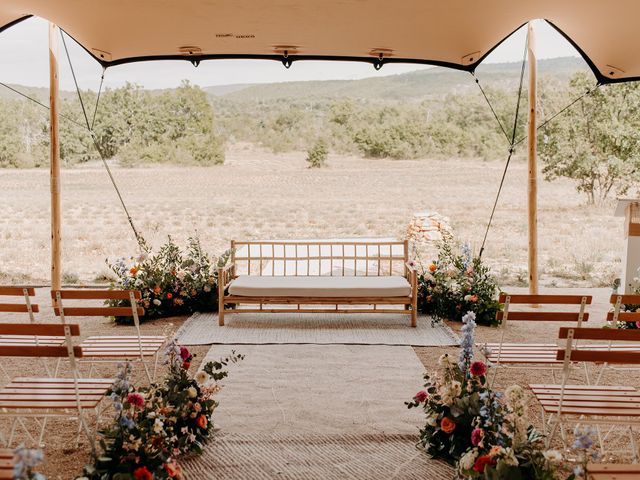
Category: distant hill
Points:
column 427, row 83
column 430, row 82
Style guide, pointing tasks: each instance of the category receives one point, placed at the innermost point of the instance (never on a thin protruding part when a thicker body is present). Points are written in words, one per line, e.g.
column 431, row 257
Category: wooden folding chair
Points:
column 111, row 349
column 534, row 356
column 41, row 398
column 617, row 405
column 24, row 306
column 6, row 464
column 612, row 471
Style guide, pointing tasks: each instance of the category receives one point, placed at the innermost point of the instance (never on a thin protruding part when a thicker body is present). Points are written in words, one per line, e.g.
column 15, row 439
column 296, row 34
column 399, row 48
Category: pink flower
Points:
column 638, row 324
column 135, row 399
column 478, row 369
column 421, row 396
column 476, row 436
column 184, row 353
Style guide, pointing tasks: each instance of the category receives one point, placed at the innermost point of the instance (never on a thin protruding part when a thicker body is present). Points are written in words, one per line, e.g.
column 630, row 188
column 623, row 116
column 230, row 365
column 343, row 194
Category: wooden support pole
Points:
column 55, row 158
column 532, row 163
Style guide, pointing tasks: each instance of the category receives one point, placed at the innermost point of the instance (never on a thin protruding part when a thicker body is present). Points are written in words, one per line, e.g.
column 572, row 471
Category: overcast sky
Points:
column 24, row 60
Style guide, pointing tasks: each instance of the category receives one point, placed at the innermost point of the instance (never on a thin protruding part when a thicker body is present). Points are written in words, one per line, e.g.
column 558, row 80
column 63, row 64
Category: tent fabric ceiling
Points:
column 455, row 33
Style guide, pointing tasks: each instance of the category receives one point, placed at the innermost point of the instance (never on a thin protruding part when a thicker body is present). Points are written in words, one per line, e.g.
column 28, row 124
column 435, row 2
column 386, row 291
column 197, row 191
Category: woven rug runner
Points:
column 317, row 412
column 305, row 457
column 311, row 328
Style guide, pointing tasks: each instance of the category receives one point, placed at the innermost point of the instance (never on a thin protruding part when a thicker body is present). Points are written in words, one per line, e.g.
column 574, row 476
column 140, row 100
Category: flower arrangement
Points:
column 515, row 450
column 172, row 281
column 155, row 426
column 482, row 432
column 453, row 398
column 455, row 283
column 26, row 460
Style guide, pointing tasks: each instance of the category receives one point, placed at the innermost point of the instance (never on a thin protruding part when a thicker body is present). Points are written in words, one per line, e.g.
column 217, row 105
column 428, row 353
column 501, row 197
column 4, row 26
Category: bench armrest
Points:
column 226, row 274
column 410, row 266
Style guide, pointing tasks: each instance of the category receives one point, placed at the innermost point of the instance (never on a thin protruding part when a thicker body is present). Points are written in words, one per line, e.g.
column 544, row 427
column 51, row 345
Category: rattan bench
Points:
column 318, row 277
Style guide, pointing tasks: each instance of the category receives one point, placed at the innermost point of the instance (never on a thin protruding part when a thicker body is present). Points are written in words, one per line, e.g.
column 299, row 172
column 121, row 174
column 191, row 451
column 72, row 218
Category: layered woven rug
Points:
column 312, row 328
column 317, row 412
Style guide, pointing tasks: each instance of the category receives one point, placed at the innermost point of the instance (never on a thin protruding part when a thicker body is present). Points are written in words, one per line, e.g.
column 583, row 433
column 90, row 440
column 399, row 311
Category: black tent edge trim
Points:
column 196, row 59
column 15, row 22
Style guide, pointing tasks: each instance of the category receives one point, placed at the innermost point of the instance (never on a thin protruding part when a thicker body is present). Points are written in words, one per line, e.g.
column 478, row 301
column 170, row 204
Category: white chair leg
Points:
column 600, row 439
column 586, row 373
column 552, row 433
column 42, row 429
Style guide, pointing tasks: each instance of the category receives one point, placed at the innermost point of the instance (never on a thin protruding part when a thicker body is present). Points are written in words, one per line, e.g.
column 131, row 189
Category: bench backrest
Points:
column 576, row 302
column 22, row 306
column 45, row 330
column 311, row 257
column 620, row 303
column 583, row 353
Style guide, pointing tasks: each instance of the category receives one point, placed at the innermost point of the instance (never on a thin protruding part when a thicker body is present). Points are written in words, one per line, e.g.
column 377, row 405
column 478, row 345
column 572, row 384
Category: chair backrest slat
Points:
column 545, row 299
column 23, row 307
column 13, row 291
column 18, row 308
column 87, row 294
column 38, row 351
column 42, row 329
column 613, row 334
column 544, row 316
column 582, row 353
column 624, row 316
column 97, row 311
column 630, row 299
column 39, row 329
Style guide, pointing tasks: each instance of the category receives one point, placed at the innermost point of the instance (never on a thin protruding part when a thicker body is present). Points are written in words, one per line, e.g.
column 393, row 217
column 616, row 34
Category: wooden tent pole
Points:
column 54, row 157
column 532, row 162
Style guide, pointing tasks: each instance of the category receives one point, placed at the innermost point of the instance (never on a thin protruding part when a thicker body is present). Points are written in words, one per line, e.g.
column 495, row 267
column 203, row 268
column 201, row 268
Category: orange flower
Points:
column 134, row 270
column 169, row 296
column 202, row 421
column 172, row 469
column 433, row 267
column 474, row 298
column 156, row 290
column 447, row 425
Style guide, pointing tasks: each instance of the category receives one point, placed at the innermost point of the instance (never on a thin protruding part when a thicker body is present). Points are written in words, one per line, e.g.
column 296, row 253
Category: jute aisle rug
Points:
column 308, row 328
column 318, row 412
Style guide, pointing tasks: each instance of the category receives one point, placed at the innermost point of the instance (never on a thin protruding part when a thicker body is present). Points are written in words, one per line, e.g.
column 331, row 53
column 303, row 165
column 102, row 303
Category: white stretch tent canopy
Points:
column 454, row 33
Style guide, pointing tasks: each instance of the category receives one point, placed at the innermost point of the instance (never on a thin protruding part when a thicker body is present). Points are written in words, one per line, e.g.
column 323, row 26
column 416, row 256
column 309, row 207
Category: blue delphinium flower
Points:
column 467, row 341
column 127, row 422
column 583, row 439
column 466, row 256
column 26, row 461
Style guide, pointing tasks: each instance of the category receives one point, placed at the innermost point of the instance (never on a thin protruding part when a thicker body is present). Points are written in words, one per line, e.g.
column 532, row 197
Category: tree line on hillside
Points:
column 132, row 125
column 596, row 142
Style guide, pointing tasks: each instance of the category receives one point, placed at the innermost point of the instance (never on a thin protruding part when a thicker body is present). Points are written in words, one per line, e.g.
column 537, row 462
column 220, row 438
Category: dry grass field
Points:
column 257, row 194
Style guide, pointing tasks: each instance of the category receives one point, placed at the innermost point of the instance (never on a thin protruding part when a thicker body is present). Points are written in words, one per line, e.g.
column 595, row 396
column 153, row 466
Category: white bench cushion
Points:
column 346, row 287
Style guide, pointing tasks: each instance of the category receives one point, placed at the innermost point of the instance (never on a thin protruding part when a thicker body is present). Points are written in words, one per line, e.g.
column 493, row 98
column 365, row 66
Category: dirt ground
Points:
column 260, row 195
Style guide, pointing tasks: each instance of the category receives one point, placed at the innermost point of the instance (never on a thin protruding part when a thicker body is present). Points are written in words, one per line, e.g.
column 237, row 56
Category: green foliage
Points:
column 456, row 283
column 597, row 141
column 172, row 281
column 133, row 125
column 317, row 154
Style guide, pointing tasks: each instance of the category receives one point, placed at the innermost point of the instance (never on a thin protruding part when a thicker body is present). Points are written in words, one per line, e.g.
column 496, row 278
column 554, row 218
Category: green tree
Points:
column 597, row 141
